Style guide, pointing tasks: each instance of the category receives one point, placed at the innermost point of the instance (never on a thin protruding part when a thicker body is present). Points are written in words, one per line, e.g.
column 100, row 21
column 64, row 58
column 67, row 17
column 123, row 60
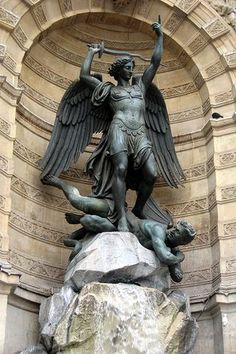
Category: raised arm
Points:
column 150, row 72
column 86, row 66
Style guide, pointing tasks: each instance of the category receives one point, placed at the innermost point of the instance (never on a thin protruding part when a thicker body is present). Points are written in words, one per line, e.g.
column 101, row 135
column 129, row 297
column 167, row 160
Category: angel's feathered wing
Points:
column 76, row 121
column 158, row 130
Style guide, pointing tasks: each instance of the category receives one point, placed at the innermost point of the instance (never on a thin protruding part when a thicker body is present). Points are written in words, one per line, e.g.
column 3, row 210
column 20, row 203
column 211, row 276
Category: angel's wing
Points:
column 76, row 121
column 158, row 130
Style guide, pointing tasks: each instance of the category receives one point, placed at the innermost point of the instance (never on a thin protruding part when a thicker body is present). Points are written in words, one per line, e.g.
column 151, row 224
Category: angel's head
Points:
column 123, row 67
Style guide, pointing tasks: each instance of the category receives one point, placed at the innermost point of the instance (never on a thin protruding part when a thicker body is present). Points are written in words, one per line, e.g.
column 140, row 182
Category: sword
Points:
column 119, row 52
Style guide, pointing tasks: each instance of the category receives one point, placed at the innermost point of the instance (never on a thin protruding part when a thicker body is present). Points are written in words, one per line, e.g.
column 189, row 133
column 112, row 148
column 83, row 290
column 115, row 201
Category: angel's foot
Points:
column 51, row 181
column 139, row 213
column 123, row 225
column 72, row 218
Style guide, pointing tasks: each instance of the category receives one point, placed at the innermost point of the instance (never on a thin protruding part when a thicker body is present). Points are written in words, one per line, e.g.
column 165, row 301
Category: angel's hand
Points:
column 94, row 47
column 156, row 26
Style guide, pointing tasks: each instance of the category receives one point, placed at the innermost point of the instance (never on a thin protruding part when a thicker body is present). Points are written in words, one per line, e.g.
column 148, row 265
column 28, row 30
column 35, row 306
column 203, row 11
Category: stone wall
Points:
column 42, row 45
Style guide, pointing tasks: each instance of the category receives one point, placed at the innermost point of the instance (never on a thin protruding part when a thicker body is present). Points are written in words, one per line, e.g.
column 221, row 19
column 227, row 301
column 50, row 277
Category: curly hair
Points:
column 118, row 64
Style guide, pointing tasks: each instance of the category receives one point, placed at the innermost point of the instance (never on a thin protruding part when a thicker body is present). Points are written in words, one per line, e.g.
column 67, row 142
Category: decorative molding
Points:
column 2, row 51
column 230, row 58
column 179, row 90
column 13, row 93
column 202, row 240
column 228, row 193
column 197, row 44
column 206, row 106
column 143, row 8
column 173, row 22
column 66, row 6
column 26, row 154
column 210, row 165
column 137, row 45
column 214, row 235
column 10, row 64
column 216, row 28
column 198, row 80
column 229, row 229
column 230, row 265
column 38, row 97
column 26, row 118
column 35, row 267
column 2, row 203
column 120, row 4
column 224, row 97
column 20, row 37
column 4, row 166
column 39, row 15
column 46, row 73
column 227, row 158
column 187, row 5
column 184, row 116
column 214, row 70
column 191, row 207
column 5, row 127
column 35, row 230
column 212, row 199
column 39, row 196
column 196, row 172
column 76, row 59
column 197, row 277
column 8, row 18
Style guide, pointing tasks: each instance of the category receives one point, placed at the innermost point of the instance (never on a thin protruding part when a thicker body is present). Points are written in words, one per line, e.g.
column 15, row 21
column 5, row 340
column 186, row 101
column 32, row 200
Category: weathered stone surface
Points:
column 113, row 257
column 52, row 311
column 36, row 349
column 127, row 319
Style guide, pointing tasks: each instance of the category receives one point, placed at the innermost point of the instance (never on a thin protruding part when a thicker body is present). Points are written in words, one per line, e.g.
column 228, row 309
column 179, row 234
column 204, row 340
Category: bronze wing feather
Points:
column 76, row 121
column 159, row 132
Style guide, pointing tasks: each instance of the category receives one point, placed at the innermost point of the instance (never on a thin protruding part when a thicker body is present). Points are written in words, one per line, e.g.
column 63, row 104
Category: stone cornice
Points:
column 40, row 196
column 36, row 230
column 13, row 93
column 36, row 267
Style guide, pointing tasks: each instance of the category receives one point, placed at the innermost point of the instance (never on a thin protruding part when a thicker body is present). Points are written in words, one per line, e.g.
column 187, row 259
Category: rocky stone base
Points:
column 116, row 257
column 119, row 318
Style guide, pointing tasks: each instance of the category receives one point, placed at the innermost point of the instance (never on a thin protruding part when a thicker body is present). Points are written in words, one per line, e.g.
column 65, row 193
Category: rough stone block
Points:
column 116, row 257
column 127, row 319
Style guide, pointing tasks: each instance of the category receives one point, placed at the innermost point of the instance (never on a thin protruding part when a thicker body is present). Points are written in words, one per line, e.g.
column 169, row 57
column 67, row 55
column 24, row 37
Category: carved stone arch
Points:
column 208, row 31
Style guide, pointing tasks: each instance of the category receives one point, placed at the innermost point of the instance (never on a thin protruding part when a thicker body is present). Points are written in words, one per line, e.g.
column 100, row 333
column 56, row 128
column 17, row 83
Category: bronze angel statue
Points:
column 136, row 145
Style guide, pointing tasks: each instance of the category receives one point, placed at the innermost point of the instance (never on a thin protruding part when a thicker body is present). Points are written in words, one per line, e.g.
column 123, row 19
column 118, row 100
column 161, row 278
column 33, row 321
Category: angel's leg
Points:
column 120, row 163
column 88, row 205
column 149, row 174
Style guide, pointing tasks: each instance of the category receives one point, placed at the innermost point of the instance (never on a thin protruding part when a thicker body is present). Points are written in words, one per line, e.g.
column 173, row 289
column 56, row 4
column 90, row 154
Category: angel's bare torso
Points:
column 128, row 106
